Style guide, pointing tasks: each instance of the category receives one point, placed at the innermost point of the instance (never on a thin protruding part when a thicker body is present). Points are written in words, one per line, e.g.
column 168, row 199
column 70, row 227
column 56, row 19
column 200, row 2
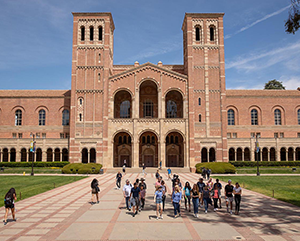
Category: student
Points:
column 158, row 182
column 95, row 190
column 201, row 185
column 135, row 196
column 157, row 175
column 144, row 169
column 208, row 172
column 237, row 191
column 164, row 190
column 119, row 178
column 210, row 185
column 204, row 173
column 215, row 197
column 142, row 183
column 219, row 185
column 143, row 196
column 158, row 200
column 160, row 165
column 9, row 203
column 195, row 198
column 187, row 195
column 126, row 192
column 176, row 200
column 229, row 196
column 206, row 198
column 169, row 173
column 124, row 169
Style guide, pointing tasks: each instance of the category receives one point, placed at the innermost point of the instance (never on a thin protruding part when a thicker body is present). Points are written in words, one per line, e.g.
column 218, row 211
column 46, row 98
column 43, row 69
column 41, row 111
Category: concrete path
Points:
column 66, row 214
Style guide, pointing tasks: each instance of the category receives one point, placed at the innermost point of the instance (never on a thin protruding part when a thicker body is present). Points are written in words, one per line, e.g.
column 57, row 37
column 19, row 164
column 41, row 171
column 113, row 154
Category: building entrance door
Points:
column 172, row 160
column 148, row 160
column 124, row 159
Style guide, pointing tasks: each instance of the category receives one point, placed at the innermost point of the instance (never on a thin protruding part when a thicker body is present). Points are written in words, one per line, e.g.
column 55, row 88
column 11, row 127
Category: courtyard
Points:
column 65, row 213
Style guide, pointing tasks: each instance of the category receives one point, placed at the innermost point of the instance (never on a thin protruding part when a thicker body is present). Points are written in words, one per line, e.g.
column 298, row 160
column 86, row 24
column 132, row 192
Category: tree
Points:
column 293, row 22
column 274, row 85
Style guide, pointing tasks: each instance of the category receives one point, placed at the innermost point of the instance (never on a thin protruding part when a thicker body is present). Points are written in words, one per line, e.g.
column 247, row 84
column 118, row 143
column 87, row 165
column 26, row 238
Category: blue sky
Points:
column 36, row 39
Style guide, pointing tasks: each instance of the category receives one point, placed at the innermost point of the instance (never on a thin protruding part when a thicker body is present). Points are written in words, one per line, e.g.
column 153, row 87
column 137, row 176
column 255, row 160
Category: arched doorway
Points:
column 122, row 105
column 84, row 155
column 231, row 154
column 5, row 155
column 12, row 155
column 174, row 150
column 148, row 100
column 174, row 104
column 290, row 154
column 282, row 154
column 38, row 154
column 265, row 154
column 148, row 149
column 212, row 154
column 298, row 154
column 57, row 155
column 23, row 155
column 272, row 154
column 30, row 155
column 122, row 150
column 247, row 154
column 49, row 155
column 239, row 154
column 92, row 155
column 65, row 155
column 204, row 154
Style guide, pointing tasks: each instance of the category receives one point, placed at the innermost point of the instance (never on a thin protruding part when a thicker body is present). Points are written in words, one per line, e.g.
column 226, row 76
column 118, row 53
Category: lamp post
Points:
column 32, row 150
column 257, row 152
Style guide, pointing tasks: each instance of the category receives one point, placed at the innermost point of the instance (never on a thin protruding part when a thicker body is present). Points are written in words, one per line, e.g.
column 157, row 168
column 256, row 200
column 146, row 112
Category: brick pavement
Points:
column 66, row 214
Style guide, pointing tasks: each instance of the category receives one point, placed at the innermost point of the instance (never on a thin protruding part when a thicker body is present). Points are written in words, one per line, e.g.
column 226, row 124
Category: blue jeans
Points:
column 128, row 203
column 205, row 203
column 195, row 204
column 176, row 208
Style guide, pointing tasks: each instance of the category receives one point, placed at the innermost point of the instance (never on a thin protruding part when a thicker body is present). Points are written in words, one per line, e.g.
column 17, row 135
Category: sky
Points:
column 36, row 39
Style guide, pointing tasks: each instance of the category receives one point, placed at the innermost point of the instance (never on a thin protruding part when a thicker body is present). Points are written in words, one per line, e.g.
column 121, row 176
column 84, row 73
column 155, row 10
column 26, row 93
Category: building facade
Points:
column 134, row 114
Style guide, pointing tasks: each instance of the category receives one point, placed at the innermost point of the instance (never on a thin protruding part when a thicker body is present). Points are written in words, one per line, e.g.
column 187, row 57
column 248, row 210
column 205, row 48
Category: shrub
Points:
column 35, row 164
column 216, row 167
column 82, row 168
column 265, row 163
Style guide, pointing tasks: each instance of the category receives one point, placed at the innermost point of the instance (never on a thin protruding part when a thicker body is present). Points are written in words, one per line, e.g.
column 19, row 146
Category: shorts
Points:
column 219, row 192
column 158, row 200
column 229, row 199
column 134, row 201
column 94, row 191
column 9, row 206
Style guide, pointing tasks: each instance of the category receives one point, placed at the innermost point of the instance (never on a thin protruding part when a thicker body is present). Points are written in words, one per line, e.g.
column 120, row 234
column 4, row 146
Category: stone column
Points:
column 159, row 104
column 260, row 154
column 18, row 156
column 278, row 157
column 294, row 155
column 8, row 153
column 89, row 157
column 268, row 155
column 137, row 104
column 252, row 149
column 53, row 155
column 286, row 154
column 207, row 155
column 235, row 155
column 243, row 155
column 135, row 153
column 44, row 156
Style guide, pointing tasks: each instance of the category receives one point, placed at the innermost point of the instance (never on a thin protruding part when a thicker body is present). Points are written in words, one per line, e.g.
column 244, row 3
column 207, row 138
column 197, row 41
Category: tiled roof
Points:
column 34, row 93
column 275, row 93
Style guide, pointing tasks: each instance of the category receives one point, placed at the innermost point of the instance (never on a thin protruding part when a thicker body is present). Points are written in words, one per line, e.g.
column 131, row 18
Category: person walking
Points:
column 210, row 185
column 160, row 165
column 187, row 195
column 126, row 192
column 158, row 200
column 158, row 182
column 142, row 183
column 237, row 191
column 176, row 201
column 164, row 190
column 208, row 172
column 135, row 196
column 144, row 169
column 9, row 203
column 204, row 173
column 219, row 185
column 229, row 196
column 119, row 178
column 215, row 197
column 124, row 169
column 95, row 190
column 157, row 175
column 143, row 196
column 195, row 199
column 206, row 198
column 169, row 173
column 201, row 185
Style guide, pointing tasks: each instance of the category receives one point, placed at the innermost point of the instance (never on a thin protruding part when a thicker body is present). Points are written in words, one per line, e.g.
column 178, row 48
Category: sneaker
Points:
column 97, row 201
column 136, row 212
column 214, row 209
column 220, row 207
column 157, row 218
column 161, row 217
column 206, row 211
column 133, row 215
column 217, row 209
column 5, row 222
column 230, row 212
column 197, row 215
column 194, row 215
column 189, row 210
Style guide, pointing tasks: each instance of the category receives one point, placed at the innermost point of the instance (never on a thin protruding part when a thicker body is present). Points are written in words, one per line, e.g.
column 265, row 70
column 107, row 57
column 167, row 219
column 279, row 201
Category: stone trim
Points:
column 90, row 67
column 89, row 91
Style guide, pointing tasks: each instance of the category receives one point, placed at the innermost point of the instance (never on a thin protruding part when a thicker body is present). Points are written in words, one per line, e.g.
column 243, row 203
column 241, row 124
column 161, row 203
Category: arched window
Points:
column 254, row 117
column 298, row 113
column 99, row 60
column 176, row 139
column 148, row 139
column 65, row 117
column 100, row 33
column 80, row 101
column 277, row 116
column 120, row 139
column 172, row 139
column 143, row 139
column 129, row 139
column 167, row 139
column 125, row 109
column 200, row 118
column 82, row 33
column 18, row 118
column 125, row 139
column 197, row 33
column 212, row 33
column 80, row 117
column 153, row 140
column 91, row 33
column 230, row 117
column 199, row 101
column 148, row 108
column 171, row 109
column 42, row 117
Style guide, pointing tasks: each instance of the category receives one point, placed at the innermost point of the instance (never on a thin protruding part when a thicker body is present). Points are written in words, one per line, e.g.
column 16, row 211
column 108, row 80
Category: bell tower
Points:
column 92, row 63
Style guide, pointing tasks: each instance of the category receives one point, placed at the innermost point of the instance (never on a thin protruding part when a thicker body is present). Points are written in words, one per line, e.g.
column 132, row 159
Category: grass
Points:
column 30, row 186
column 286, row 188
column 18, row 170
column 267, row 170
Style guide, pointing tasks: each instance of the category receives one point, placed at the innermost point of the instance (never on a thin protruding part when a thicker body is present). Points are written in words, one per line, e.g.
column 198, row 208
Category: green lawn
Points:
column 286, row 188
column 19, row 170
column 267, row 170
column 30, row 186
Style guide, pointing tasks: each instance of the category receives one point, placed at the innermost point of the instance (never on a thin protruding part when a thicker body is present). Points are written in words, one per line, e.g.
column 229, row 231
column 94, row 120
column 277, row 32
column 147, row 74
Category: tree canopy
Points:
column 293, row 23
column 274, row 85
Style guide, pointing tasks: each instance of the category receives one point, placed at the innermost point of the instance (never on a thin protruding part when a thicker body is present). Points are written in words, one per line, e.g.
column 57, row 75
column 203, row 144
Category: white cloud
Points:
column 250, row 25
column 290, row 82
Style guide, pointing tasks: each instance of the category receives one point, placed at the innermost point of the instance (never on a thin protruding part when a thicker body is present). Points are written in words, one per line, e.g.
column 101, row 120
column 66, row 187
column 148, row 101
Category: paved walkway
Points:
column 65, row 214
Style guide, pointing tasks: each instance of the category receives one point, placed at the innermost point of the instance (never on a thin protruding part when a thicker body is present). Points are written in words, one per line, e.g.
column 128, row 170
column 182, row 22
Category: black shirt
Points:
column 143, row 184
column 135, row 192
column 200, row 186
column 228, row 190
column 119, row 176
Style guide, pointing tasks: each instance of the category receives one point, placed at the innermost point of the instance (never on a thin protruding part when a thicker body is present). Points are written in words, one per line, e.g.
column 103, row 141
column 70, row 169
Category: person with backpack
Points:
column 142, row 183
column 201, row 185
column 164, row 190
column 144, row 169
column 157, row 175
column 187, row 195
column 9, row 199
column 126, row 192
column 124, row 169
column 119, row 178
column 206, row 198
column 204, row 173
column 95, row 190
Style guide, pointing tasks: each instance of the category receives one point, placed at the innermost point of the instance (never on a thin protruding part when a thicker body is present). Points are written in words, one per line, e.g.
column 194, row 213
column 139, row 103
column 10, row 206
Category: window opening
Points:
column 254, row 117
column 212, row 35
column 197, row 34
column 65, row 117
column 42, row 117
column 148, row 108
column 91, row 33
column 171, row 109
column 18, row 118
column 82, row 33
column 230, row 117
column 100, row 33
column 277, row 116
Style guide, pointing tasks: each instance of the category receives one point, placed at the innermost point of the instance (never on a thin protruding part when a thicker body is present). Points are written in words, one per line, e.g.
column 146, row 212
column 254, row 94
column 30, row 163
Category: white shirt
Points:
column 237, row 190
column 127, row 189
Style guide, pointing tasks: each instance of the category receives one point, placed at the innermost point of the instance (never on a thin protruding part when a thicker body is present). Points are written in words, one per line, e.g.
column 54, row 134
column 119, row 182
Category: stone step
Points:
column 148, row 170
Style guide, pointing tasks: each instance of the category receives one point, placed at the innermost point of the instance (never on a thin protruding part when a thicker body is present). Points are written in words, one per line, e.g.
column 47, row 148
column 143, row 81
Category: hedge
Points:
column 265, row 163
column 216, row 167
column 81, row 168
column 35, row 164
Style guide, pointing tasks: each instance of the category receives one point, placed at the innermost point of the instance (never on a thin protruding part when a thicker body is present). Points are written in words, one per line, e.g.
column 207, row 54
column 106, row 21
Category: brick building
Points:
column 177, row 114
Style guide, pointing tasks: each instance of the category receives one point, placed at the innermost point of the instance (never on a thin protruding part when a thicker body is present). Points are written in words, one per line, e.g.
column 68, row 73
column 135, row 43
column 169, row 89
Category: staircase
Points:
column 148, row 170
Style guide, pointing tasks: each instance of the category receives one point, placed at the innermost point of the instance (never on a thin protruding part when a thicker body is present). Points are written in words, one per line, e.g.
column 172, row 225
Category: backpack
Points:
column 8, row 201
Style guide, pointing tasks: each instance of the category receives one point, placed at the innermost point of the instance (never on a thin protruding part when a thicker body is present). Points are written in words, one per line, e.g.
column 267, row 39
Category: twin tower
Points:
column 148, row 113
